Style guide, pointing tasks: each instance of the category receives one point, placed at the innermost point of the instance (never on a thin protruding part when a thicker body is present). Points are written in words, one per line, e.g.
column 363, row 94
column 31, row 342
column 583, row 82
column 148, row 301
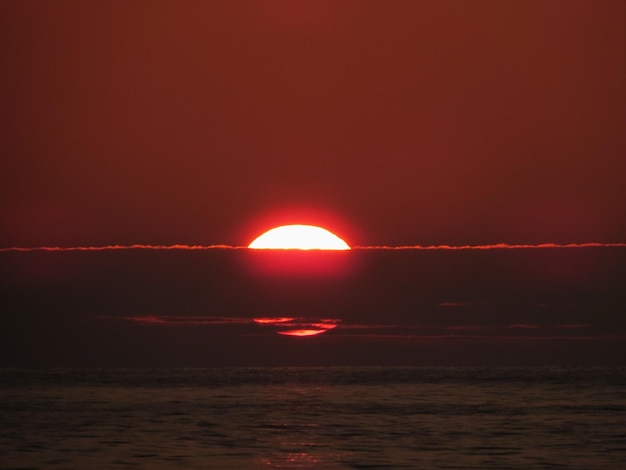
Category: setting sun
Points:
column 299, row 237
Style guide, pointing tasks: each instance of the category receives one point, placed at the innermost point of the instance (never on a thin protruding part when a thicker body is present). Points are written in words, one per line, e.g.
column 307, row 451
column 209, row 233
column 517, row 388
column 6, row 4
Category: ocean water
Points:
column 313, row 417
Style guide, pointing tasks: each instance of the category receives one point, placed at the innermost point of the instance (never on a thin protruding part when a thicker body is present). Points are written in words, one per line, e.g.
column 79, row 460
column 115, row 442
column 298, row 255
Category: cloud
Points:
column 306, row 326
column 496, row 246
column 124, row 247
column 172, row 320
column 470, row 328
column 303, row 332
column 486, row 337
column 292, row 326
column 454, row 304
column 512, row 326
column 272, row 320
column 524, row 326
column 378, row 326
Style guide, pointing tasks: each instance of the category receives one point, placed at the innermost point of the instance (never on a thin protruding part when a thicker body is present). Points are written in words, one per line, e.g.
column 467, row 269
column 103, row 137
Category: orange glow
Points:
column 324, row 326
column 293, row 326
column 272, row 321
column 301, row 332
column 298, row 237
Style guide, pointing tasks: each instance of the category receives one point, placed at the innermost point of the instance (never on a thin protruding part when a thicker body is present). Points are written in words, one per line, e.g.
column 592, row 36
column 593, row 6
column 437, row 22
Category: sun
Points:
column 299, row 237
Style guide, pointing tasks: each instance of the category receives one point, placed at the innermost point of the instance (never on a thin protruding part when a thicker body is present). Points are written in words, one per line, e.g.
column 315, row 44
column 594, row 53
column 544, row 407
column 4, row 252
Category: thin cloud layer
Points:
column 497, row 246
column 124, row 247
column 290, row 326
column 171, row 320
column 574, row 326
column 304, row 326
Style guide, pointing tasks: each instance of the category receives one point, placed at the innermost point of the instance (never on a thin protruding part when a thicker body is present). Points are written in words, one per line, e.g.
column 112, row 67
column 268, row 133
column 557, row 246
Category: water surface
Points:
column 337, row 417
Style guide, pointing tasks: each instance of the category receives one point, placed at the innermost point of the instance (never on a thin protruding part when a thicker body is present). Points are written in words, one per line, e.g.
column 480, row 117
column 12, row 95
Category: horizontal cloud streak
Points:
column 524, row 326
column 401, row 336
column 496, row 246
column 574, row 326
column 125, row 247
column 171, row 320
column 303, row 326
column 290, row 326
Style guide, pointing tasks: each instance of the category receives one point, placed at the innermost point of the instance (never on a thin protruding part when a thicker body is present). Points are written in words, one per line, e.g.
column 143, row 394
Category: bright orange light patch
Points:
column 299, row 237
column 328, row 325
column 301, row 332
column 272, row 321
column 312, row 330
column 291, row 326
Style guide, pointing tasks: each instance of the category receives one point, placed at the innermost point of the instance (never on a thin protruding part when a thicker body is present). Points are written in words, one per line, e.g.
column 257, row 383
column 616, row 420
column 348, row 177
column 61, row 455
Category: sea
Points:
column 313, row 417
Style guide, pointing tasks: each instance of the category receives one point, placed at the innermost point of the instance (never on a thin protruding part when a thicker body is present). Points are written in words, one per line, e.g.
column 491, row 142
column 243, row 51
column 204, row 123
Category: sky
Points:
column 398, row 124
column 445, row 122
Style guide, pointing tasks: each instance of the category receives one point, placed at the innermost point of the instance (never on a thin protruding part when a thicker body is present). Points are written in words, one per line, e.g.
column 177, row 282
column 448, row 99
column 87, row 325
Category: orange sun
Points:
column 299, row 237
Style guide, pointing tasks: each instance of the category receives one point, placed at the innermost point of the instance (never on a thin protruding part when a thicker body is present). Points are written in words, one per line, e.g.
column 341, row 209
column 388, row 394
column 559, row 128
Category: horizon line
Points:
column 494, row 246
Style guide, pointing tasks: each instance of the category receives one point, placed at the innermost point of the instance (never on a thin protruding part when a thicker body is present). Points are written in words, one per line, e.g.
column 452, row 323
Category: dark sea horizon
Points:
column 313, row 417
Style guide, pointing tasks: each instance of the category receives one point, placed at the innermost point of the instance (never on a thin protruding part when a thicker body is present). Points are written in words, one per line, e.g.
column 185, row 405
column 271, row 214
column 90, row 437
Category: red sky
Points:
column 430, row 123
column 445, row 122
